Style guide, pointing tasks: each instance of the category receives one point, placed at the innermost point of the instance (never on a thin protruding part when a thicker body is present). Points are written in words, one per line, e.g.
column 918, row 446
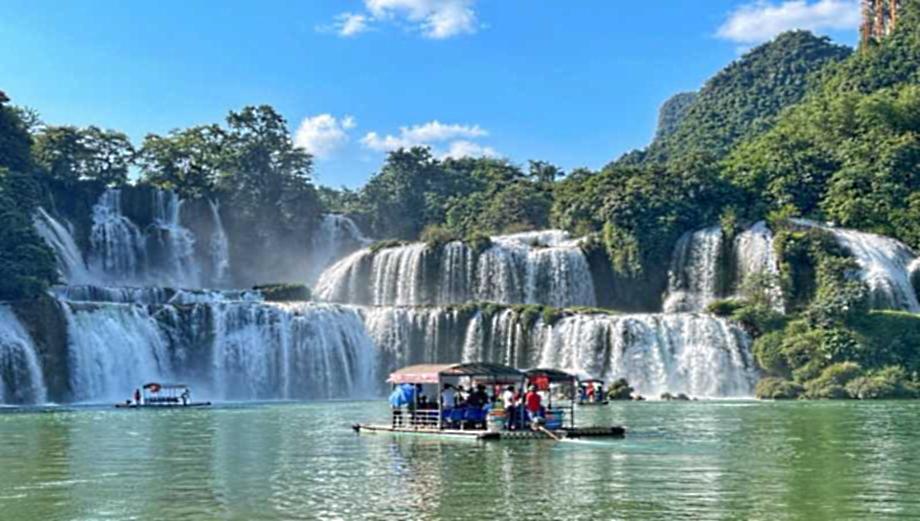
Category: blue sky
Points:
column 576, row 83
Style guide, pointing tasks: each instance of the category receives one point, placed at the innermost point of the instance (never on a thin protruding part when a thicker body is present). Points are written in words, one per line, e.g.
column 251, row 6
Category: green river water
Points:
column 701, row 460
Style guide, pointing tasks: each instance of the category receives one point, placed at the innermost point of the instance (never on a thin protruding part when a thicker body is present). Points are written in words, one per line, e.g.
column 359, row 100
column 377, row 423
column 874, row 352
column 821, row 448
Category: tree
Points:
column 70, row 154
column 189, row 161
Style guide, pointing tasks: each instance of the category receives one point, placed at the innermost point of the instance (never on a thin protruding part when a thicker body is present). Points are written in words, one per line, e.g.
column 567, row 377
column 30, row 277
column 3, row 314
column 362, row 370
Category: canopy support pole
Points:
column 440, row 401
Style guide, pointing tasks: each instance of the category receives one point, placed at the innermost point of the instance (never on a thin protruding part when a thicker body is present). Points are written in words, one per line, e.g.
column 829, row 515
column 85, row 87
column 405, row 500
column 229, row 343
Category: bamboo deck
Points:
column 576, row 433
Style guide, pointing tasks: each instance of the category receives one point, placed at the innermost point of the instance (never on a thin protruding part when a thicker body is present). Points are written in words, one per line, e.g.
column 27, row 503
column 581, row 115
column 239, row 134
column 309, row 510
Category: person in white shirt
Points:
column 448, row 397
column 508, row 398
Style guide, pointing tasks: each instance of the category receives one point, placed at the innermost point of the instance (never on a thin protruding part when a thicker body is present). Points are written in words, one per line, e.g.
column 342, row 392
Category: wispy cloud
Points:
column 323, row 135
column 446, row 140
column 762, row 20
column 435, row 19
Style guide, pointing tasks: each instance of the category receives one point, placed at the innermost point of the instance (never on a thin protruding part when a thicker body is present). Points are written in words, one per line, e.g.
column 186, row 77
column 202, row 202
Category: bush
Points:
column 724, row 308
column 386, row 244
column 620, row 390
column 437, row 236
column 284, row 292
column 478, row 242
column 830, row 385
column 888, row 383
column 778, row 389
column 768, row 351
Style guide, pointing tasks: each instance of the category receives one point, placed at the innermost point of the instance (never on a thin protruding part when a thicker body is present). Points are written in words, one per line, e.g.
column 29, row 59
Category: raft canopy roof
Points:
column 433, row 373
column 551, row 375
column 155, row 385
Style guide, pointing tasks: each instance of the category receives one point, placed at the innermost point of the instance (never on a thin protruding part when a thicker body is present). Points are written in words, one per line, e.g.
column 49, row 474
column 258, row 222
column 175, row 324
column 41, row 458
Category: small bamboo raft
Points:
column 484, row 435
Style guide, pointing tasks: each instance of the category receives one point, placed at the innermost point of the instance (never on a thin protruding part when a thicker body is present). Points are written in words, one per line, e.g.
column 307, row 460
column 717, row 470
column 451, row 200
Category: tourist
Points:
column 137, row 397
column 448, row 397
column 509, row 403
column 478, row 398
column 533, row 403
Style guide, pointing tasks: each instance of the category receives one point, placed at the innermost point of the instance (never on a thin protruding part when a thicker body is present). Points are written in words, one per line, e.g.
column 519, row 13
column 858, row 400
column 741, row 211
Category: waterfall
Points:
column 119, row 249
column 886, row 266
column 535, row 268
column 181, row 268
column 163, row 254
column 114, row 349
column 21, row 379
column 693, row 281
column 60, row 239
column 679, row 353
column 293, row 351
column 336, row 236
column 694, row 354
column 754, row 254
column 220, row 247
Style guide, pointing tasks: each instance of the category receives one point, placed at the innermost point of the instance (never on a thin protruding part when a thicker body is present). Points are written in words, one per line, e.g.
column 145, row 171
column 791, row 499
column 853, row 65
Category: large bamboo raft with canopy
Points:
column 476, row 419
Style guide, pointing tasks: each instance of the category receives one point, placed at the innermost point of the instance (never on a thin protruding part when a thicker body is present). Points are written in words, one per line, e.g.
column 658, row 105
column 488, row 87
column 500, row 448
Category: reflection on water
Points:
column 720, row 460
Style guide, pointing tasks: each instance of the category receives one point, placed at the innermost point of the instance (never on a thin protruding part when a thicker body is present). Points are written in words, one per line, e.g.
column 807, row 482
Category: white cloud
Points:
column 762, row 20
column 351, row 24
column 460, row 149
column 435, row 19
column 421, row 135
column 323, row 135
column 446, row 140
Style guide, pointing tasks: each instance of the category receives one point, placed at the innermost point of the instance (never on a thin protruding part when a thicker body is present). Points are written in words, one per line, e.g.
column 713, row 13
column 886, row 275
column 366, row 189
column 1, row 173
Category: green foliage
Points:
column 778, row 389
column 27, row 264
column 640, row 211
column 436, row 236
column 478, row 242
column 620, row 390
column 189, row 161
column 673, row 112
column 284, row 292
column 724, row 308
column 744, row 99
column 386, row 244
column 70, row 154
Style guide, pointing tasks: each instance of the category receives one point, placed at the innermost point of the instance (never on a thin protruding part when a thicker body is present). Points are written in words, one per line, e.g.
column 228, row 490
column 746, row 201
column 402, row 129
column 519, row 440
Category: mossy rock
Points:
column 285, row 292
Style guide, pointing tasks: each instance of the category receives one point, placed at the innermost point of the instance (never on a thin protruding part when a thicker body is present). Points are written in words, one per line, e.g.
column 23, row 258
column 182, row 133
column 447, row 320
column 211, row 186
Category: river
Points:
column 699, row 460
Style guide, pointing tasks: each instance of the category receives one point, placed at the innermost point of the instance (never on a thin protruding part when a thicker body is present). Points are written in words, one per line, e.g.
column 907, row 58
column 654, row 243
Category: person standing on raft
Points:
column 533, row 403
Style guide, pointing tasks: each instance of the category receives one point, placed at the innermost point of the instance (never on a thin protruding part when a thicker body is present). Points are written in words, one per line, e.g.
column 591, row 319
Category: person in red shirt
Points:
column 533, row 403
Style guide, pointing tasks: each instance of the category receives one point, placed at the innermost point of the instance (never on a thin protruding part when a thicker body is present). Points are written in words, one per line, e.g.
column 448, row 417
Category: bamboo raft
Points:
column 484, row 435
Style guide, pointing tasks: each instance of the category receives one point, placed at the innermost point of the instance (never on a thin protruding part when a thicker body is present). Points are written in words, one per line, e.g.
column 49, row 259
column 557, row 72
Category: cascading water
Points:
column 21, row 381
column 537, row 268
column 114, row 348
column 220, row 247
column 693, row 281
column 336, row 236
column 886, row 266
column 119, row 249
column 294, row 351
column 694, row 354
column 60, row 239
column 755, row 256
column 178, row 243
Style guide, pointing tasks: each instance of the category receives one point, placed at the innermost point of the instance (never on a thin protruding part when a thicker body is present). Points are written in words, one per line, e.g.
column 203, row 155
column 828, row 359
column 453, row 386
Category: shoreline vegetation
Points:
column 796, row 128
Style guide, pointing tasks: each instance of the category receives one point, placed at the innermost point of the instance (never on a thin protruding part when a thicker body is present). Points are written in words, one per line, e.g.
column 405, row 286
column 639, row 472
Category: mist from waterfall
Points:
column 21, row 380
column 546, row 268
column 220, row 247
column 336, row 237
